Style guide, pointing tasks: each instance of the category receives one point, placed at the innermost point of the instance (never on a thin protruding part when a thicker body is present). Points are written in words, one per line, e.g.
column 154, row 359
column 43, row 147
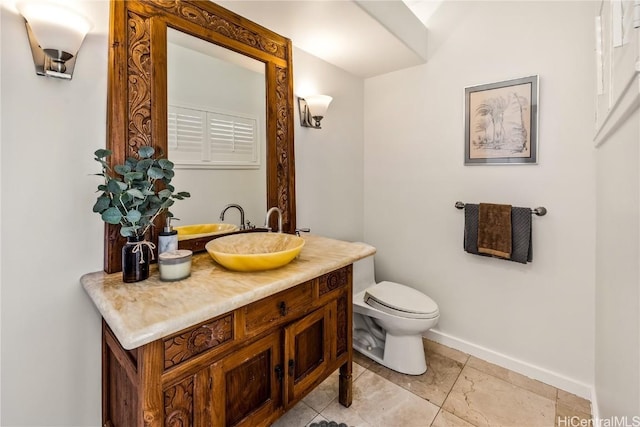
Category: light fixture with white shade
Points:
column 55, row 35
column 312, row 109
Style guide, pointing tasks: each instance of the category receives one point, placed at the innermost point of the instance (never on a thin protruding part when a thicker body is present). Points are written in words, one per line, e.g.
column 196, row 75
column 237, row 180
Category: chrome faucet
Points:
column 266, row 219
column 233, row 205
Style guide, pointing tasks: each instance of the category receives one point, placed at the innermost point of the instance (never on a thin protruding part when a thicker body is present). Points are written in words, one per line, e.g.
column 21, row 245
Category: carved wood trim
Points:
column 334, row 280
column 342, row 326
column 188, row 344
column 137, row 89
column 178, row 404
column 139, row 82
column 201, row 14
column 284, row 149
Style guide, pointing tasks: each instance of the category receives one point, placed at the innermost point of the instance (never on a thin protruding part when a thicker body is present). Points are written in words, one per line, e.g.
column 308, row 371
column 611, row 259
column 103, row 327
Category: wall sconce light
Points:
column 55, row 35
column 312, row 110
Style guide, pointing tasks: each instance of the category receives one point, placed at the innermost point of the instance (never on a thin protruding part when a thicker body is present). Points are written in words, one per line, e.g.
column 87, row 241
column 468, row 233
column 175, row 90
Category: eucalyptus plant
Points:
column 129, row 194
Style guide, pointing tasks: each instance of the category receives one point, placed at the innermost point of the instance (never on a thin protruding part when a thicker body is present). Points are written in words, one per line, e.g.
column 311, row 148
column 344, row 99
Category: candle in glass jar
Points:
column 174, row 265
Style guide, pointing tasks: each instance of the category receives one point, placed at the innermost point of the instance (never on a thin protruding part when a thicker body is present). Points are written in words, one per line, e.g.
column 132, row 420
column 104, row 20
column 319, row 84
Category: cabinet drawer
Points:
column 278, row 308
column 334, row 280
column 191, row 342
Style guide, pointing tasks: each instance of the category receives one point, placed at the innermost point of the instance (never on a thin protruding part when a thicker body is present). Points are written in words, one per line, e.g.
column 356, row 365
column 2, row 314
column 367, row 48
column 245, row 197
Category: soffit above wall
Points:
column 365, row 38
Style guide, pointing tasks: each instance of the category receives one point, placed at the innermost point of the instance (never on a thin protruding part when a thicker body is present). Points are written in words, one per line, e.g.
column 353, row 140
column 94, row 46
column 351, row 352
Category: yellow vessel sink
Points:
column 202, row 230
column 255, row 251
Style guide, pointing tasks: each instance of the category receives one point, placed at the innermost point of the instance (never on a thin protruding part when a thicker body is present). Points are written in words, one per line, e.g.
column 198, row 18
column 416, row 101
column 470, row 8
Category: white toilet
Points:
column 389, row 320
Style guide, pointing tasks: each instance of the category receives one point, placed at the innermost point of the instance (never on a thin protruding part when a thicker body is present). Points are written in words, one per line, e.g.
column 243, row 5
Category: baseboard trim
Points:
column 532, row 371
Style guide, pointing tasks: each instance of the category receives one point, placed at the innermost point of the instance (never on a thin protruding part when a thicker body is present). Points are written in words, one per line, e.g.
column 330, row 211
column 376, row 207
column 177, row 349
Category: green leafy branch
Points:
column 129, row 195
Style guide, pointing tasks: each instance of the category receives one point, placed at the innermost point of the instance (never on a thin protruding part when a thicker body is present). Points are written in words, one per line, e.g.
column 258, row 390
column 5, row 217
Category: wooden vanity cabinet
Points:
column 243, row 368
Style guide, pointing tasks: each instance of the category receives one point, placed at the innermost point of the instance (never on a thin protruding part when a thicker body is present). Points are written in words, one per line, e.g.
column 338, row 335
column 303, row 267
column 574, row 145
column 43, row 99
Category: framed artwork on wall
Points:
column 501, row 122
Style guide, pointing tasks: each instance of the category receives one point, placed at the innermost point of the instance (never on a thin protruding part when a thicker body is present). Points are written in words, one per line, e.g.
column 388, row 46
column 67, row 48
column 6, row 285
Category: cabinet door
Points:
column 247, row 385
column 307, row 352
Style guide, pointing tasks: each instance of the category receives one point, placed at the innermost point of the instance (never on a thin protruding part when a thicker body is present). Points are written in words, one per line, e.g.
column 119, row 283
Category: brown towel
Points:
column 494, row 230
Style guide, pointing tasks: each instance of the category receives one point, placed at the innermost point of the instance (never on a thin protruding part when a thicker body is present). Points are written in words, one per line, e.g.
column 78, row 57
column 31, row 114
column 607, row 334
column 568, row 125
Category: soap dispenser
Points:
column 168, row 238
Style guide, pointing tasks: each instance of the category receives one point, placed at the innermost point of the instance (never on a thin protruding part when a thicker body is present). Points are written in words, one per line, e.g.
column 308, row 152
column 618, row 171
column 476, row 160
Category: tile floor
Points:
column 457, row 390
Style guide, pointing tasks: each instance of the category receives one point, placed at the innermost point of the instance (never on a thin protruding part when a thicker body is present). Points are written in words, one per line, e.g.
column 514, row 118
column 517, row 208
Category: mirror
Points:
column 216, row 131
column 138, row 104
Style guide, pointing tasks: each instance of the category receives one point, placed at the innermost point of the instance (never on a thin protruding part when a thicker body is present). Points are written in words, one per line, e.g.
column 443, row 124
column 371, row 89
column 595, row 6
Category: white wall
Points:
column 329, row 161
column 50, row 330
column 617, row 332
column 617, row 298
column 0, row 217
column 536, row 318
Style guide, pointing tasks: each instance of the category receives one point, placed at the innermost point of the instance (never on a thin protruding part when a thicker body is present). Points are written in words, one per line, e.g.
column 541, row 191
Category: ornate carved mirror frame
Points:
column 137, row 89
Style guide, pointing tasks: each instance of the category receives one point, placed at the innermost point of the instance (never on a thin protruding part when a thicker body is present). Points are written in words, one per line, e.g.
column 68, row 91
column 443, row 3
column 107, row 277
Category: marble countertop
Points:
column 142, row 312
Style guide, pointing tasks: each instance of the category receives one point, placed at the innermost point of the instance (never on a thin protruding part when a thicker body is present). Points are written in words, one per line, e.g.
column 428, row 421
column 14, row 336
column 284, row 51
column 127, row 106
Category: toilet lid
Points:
column 401, row 300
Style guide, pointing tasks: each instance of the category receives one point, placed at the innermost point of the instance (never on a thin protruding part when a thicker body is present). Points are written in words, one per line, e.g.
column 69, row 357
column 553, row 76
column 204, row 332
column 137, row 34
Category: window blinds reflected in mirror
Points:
column 202, row 138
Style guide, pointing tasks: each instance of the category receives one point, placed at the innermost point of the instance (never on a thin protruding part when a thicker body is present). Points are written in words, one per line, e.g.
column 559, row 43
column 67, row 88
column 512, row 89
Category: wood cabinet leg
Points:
column 345, row 394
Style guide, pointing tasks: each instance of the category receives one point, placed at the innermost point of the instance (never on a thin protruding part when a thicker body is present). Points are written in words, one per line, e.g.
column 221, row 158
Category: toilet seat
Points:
column 400, row 300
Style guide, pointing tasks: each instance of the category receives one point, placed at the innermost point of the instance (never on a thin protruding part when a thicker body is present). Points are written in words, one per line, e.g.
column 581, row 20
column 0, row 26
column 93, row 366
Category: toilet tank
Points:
column 363, row 274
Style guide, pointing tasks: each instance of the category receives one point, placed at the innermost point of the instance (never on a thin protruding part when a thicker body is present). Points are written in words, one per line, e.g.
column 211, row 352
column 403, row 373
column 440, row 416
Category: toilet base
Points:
column 404, row 354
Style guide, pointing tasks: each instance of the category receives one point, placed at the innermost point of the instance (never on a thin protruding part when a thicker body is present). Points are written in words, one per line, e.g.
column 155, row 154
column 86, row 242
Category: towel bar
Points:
column 540, row 211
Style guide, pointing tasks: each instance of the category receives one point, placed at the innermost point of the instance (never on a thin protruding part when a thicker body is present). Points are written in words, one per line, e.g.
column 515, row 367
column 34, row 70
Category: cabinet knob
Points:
column 292, row 367
column 283, row 308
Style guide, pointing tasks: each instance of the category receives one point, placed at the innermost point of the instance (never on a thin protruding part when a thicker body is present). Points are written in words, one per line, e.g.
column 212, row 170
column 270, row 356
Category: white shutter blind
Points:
column 232, row 138
column 209, row 139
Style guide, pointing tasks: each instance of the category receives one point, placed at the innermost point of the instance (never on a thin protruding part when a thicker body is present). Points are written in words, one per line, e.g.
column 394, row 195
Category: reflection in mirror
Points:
column 216, row 130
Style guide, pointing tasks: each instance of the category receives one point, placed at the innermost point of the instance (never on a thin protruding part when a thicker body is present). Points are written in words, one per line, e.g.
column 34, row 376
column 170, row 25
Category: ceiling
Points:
column 365, row 38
